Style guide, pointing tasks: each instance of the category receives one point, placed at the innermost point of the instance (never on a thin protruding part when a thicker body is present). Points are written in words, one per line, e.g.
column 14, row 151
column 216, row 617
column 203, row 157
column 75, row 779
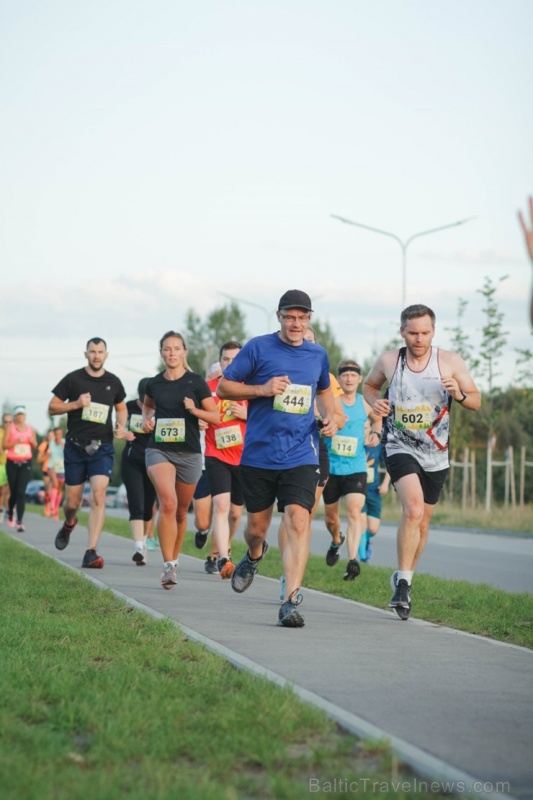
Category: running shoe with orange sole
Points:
column 225, row 568
column 91, row 560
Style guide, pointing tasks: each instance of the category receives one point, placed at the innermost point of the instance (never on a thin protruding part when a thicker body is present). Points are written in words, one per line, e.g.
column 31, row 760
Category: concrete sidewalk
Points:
column 456, row 707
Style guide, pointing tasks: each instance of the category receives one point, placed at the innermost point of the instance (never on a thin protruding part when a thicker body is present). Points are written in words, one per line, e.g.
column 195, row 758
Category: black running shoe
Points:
column 139, row 558
column 210, row 565
column 333, row 554
column 91, row 560
column 352, row 570
column 402, row 595
column 401, row 611
column 245, row 570
column 288, row 615
column 63, row 537
column 200, row 539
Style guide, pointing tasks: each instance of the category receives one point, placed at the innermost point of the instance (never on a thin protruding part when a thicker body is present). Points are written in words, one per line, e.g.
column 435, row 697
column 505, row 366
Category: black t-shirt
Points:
column 136, row 448
column 94, row 421
column 176, row 430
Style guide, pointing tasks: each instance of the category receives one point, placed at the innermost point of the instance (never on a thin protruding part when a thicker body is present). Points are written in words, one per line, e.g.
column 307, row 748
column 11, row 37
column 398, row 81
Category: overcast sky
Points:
column 156, row 154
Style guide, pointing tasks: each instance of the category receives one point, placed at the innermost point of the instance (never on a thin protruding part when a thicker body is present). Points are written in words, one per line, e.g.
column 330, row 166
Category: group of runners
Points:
column 273, row 427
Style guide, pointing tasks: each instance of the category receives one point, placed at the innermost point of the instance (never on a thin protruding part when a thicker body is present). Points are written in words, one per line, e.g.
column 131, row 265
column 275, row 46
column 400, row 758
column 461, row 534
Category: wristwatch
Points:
column 463, row 398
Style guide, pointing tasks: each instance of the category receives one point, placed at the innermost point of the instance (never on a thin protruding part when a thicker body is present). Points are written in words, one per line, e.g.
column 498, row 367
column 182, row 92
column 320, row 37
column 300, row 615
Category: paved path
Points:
column 456, row 707
column 503, row 560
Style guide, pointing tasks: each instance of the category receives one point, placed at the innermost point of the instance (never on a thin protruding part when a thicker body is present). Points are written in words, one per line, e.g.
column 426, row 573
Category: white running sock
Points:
column 405, row 575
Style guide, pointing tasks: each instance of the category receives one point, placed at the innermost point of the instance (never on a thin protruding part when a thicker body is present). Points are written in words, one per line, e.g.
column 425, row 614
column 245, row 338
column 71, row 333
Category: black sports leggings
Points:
column 139, row 487
column 18, row 475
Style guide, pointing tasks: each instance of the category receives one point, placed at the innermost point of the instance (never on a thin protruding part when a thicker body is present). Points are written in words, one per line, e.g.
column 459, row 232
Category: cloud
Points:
column 128, row 304
column 467, row 256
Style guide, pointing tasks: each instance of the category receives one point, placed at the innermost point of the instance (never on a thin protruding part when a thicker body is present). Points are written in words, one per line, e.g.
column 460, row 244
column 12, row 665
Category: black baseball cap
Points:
column 295, row 298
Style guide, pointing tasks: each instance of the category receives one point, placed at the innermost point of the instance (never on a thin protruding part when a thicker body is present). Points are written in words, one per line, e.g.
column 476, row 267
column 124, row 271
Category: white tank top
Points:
column 419, row 420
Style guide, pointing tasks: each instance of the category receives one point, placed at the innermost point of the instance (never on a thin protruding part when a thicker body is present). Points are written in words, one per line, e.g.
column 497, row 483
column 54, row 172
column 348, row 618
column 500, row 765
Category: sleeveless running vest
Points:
column 418, row 423
column 20, row 450
column 346, row 450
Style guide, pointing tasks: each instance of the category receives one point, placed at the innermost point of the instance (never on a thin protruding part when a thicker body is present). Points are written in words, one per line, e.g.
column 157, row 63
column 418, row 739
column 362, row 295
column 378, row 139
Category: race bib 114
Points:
column 344, row 446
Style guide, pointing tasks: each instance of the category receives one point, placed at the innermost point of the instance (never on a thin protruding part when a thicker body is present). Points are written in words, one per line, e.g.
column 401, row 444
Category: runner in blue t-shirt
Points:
column 280, row 375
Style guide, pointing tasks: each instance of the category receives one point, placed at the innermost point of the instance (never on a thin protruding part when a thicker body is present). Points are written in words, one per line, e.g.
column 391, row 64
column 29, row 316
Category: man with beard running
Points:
column 423, row 380
column 88, row 396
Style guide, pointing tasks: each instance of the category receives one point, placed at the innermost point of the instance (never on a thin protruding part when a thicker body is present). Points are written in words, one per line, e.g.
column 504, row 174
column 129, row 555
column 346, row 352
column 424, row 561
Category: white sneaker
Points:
column 169, row 576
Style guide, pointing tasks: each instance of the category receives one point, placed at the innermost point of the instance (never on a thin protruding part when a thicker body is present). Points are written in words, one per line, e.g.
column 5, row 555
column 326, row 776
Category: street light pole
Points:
column 403, row 245
column 267, row 313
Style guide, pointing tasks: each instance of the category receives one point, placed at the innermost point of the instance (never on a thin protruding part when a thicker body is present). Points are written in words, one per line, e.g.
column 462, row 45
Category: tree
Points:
column 204, row 338
column 325, row 337
column 493, row 341
column 494, row 338
column 461, row 429
column 524, row 365
column 459, row 341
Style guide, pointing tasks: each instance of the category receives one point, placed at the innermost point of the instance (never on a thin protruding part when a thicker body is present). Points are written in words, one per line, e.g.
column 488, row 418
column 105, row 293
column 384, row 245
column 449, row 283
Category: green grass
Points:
column 102, row 701
column 475, row 608
column 499, row 518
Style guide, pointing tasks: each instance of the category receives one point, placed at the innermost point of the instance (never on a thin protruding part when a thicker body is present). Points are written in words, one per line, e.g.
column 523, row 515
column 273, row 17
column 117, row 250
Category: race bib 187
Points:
column 95, row 412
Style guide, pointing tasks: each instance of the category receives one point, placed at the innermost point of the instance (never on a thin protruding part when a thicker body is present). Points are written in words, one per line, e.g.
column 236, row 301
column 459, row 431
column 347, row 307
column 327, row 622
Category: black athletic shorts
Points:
column 402, row 464
column 261, row 487
column 340, row 485
column 224, row 478
column 203, row 488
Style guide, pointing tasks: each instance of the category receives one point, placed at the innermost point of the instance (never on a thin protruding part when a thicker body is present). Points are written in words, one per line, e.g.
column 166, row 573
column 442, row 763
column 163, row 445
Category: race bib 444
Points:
column 296, row 399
